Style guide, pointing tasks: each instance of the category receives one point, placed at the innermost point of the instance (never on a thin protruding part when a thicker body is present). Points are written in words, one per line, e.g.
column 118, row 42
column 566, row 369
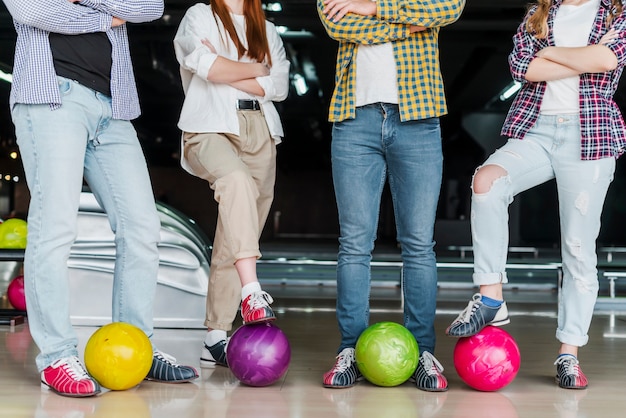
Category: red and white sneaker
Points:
column 256, row 308
column 68, row 377
column 568, row 373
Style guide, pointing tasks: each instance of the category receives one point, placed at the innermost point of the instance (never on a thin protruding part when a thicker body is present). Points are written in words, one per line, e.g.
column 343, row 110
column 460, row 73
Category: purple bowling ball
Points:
column 258, row 354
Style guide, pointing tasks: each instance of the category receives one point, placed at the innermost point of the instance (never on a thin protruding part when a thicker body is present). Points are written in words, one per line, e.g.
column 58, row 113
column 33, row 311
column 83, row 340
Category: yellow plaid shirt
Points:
column 420, row 84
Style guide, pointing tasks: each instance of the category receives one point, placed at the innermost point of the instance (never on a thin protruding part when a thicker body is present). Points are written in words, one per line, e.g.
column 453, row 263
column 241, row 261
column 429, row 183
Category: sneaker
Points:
column 256, row 308
column 344, row 373
column 476, row 316
column 214, row 355
column 568, row 373
column 428, row 375
column 68, row 377
column 165, row 369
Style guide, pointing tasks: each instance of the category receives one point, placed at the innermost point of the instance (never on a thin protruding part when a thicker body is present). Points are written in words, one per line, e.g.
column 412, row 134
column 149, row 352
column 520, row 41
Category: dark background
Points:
column 473, row 53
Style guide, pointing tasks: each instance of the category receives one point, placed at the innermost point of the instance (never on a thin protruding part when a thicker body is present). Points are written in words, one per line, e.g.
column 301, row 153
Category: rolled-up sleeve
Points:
column 524, row 50
column 191, row 54
column 276, row 85
column 619, row 46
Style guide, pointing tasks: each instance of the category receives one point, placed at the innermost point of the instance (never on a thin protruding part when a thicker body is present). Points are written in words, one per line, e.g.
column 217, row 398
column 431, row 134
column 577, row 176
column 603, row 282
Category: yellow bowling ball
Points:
column 13, row 233
column 118, row 355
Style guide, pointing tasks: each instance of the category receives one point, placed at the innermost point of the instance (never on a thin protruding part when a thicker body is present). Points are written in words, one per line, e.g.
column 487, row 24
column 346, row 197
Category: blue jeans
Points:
column 551, row 149
column 366, row 151
column 58, row 148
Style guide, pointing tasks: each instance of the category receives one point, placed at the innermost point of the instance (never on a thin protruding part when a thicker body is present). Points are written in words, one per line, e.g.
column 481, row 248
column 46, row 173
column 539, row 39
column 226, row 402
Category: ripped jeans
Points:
column 551, row 149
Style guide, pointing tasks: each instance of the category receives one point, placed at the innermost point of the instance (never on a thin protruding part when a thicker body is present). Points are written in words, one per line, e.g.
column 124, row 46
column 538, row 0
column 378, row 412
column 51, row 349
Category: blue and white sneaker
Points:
column 476, row 316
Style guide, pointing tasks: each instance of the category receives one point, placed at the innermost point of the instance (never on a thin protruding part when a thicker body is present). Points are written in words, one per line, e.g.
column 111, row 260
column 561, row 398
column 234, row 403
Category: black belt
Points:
column 248, row 105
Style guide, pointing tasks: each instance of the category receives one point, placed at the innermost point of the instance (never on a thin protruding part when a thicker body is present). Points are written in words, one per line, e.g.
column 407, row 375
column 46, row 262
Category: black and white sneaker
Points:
column 214, row 355
column 165, row 369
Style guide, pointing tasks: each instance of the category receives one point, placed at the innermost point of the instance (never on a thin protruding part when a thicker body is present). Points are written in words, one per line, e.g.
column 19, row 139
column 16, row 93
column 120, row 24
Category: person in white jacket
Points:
column 233, row 67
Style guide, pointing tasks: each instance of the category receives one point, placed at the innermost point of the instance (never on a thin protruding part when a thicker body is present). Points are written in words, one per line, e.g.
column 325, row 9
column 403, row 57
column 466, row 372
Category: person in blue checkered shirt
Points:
column 568, row 56
column 385, row 109
column 72, row 101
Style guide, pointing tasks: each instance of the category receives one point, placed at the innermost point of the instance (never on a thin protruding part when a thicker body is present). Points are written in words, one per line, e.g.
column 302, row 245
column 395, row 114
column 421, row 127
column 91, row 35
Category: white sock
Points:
column 249, row 289
column 214, row 336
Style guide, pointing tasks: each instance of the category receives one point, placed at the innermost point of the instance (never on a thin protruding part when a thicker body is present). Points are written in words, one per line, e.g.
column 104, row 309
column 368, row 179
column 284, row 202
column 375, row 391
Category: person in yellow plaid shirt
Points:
column 385, row 109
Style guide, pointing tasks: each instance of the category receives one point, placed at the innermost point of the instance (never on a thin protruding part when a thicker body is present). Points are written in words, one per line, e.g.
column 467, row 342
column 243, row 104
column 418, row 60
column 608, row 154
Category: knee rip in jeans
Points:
column 493, row 180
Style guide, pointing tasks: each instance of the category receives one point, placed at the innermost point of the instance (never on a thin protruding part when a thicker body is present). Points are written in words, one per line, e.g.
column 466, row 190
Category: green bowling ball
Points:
column 386, row 354
column 13, row 233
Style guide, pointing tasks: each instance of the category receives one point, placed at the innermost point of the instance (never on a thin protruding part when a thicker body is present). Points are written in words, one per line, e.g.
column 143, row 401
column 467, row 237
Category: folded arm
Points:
column 356, row 28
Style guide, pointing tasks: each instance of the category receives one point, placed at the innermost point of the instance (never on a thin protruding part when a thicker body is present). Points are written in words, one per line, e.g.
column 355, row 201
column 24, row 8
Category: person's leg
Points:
column 415, row 161
column 52, row 148
column 582, row 188
column 214, row 157
column 517, row 166
column 359, row 174
column 259, row 154
column 116, row 171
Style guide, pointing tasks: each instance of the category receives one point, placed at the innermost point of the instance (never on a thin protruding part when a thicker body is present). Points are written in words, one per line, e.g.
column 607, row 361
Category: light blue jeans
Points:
column 57, row 149
column 365, row 152
column 550, row 150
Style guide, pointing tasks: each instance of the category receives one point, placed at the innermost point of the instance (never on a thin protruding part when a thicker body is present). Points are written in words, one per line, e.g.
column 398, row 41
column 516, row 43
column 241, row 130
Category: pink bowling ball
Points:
column 15, row 293
column 487, row 361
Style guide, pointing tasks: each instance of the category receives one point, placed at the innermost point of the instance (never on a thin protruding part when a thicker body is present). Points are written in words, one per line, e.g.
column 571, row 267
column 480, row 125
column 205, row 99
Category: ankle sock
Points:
column 492, row 303
column 214, row 336
column 249, row 289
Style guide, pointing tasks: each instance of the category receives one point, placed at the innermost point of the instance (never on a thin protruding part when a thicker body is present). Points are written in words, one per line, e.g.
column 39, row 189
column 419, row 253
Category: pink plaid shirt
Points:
column 603, row 132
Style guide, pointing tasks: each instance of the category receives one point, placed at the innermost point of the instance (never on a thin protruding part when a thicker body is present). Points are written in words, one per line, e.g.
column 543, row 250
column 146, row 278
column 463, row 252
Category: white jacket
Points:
column 210, row 107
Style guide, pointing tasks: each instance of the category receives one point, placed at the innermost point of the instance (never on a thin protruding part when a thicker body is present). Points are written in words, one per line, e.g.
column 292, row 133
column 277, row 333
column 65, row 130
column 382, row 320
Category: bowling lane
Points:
column 314, row 338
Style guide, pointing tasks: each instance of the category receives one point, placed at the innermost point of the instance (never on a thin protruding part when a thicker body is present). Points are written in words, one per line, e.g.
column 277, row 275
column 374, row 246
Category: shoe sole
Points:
column 69, row 395
column 261, row 321
column 211, row 364
column 556, row 379
column 412, row 380
column 494, row 324
column 171, row 381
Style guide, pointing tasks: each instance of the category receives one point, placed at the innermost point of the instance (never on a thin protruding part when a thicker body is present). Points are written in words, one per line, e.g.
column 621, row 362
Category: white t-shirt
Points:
column 376, row 75
column 572, row 27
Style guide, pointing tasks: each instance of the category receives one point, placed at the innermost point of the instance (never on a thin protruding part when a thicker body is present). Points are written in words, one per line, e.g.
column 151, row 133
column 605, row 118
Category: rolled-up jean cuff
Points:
column 571, row 339
column 489, row 278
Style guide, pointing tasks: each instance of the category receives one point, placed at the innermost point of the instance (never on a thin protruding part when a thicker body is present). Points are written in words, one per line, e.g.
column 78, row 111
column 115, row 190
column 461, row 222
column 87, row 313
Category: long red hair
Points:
column 258, row 47
column 538, row 22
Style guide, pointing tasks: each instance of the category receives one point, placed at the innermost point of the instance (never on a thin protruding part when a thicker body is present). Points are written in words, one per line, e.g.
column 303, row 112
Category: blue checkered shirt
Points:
column 420, row 85
column 603, row 132
column 34, row 76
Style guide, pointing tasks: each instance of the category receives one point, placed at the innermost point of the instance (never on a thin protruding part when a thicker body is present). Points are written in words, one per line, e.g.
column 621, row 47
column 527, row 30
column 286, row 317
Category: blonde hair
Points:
column 537, row 23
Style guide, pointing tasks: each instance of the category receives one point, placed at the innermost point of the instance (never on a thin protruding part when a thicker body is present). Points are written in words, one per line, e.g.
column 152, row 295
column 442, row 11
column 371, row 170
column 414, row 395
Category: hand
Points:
column 265, row 69
column 542, row 52
column 209, row 45
column 609, row 37
column 336, row 9
column 415, row 28
column 117, row 22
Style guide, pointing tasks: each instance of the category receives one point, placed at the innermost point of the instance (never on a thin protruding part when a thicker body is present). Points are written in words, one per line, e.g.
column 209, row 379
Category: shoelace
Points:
column 73, row 368
column 344, row 360
column 467, row 313
column 431, row 364
column 166, row 358
column 570, row 363
column 258, row 300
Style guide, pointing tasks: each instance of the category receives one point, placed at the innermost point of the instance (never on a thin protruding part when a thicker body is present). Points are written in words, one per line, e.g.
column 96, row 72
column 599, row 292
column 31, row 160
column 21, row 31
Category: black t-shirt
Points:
column 85, row 58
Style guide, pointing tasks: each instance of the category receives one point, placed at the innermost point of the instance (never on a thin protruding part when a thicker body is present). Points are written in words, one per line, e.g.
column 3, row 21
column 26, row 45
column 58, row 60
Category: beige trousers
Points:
column 241, row 170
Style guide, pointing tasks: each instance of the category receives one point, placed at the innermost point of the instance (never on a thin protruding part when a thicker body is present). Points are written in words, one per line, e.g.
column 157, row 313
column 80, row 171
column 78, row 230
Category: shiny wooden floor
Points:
column 311, row 328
